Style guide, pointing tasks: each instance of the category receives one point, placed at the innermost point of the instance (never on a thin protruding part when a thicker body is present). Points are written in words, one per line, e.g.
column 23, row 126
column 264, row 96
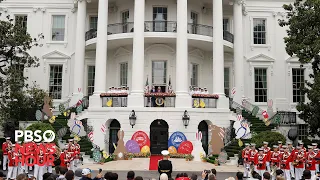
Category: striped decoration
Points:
column 103, row 128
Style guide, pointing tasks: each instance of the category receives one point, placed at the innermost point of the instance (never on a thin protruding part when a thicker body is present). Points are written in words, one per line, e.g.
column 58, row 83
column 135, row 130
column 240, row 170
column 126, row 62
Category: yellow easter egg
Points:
column 145, row 149
column 172, row 150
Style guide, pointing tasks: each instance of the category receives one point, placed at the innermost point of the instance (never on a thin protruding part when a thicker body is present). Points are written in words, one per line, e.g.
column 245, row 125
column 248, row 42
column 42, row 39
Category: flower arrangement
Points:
column 213, row 96
column 177, row 155
column 189, row 157
column 165, row 94
column 114, row 95
column 137, row 155
column 107, row 158
column 128, row 156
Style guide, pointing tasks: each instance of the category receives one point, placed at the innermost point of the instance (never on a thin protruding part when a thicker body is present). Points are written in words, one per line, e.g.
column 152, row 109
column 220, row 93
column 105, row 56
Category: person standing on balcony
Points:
column 109, row 91
column 159, row 90
column 191, row 90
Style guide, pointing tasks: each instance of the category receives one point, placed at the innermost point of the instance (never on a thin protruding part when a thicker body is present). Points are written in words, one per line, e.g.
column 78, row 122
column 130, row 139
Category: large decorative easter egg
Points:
column 185, row 147
column 141, row 138
column 145, row 149
column 176, row 139
column 172, row 150
column 132, row 146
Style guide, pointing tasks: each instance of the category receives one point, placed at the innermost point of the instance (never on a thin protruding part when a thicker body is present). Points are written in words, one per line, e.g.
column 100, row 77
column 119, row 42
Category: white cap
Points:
column 289, row 142
column 275, row 146
column 165, row 152
column 310, row 147
column 279, row 142
column 8, row 138
column 13, row 145
column 86, row 171
column 314, row 144
column 265, row 142
column 70, row 140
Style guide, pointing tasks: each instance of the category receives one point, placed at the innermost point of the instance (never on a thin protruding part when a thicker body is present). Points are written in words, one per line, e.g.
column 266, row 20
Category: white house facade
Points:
column 230, row 47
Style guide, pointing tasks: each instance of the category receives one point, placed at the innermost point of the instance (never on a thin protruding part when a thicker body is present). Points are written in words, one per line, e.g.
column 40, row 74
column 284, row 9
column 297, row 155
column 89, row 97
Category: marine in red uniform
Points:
column 253, row 152
column 12, row 167
column 76, row 153
column 261, row 162
column 280, row 146
column 285, row 159
column 310, row 160
column 275, row 158
column 292, row 151
column 71, row 150
column 267, row 151
column 317, row 158
column 299, row 162
column 5, row 149
column 64, row 158
column 245, row 157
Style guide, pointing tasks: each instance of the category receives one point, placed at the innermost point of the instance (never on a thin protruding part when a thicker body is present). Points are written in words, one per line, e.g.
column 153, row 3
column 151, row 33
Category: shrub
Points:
column 42, row 127
column 269, row 136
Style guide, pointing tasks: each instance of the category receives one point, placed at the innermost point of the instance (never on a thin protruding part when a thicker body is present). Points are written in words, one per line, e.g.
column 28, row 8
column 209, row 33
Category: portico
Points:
column 136, row 97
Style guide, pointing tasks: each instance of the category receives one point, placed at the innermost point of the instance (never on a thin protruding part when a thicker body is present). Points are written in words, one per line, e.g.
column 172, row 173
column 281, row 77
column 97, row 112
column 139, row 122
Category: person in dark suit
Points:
column 153, row 99
column 165, row 166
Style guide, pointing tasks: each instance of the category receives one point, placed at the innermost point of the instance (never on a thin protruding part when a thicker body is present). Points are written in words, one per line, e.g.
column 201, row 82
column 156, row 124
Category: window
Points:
column 297, row 84
column 125, row 18
column 58, row 27
column 93, row 22
column 55, row 81
column 91, row 73
column 260, row 85
column 160, row 14
column 17, row 76
column 159, row 73
column 303, row 131
column 124, row 74
column 226, row 25
column 259, row 31
column 22, row 20
column 227, row 81
column 194, row 22
column 194, row 75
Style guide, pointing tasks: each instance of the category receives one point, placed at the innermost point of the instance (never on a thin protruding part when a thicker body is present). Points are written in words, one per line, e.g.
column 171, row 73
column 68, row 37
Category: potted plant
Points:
column 189, row 157
column 130, row 156
column 114, row 157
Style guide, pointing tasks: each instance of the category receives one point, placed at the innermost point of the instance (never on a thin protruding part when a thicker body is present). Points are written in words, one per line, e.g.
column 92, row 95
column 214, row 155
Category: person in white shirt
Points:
column 112, row 89
column 196, row 91
column 202, row 91
column 206, row 91
column 191, row 91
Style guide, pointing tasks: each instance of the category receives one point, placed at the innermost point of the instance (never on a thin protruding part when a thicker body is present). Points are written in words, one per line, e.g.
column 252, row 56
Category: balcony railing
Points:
column 159, row 100
column 159, row 26
column 114, row 99
column 287, row 117
column 204, row 101
column 207, row 31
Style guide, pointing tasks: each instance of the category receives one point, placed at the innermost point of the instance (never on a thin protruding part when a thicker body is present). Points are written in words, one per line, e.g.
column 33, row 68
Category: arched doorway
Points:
column 159, row 134
column 113, row 134
column 203, row 128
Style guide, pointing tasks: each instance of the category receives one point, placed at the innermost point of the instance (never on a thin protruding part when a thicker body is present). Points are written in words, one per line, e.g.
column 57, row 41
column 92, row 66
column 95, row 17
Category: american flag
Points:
column 103, row 128
column 90, row 136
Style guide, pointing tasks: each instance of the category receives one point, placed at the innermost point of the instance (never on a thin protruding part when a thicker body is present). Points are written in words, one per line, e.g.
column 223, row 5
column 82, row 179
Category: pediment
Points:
column 261, row 58
column 55, row 55
column 122, row 52
column 293, row 58
column 197, row 53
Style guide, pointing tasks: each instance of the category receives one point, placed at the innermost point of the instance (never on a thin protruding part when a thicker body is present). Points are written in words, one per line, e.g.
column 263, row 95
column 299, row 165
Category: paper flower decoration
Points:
column 105, row 154
column 52, row 119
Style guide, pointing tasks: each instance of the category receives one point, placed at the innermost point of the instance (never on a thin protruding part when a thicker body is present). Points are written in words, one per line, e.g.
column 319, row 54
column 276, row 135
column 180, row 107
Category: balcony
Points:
column 159, row 100
column 287, row 118
column 204, row 100
column 159, row 26
column 206, row 30
column 114, row 99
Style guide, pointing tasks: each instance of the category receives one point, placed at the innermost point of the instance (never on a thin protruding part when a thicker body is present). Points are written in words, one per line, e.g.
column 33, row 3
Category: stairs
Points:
column 257, row 126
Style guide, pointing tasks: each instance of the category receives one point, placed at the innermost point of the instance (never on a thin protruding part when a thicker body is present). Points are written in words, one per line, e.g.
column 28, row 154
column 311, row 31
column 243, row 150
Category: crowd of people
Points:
column 198, row 90
column 69, row 158
column 293, row 162
column 122, row 89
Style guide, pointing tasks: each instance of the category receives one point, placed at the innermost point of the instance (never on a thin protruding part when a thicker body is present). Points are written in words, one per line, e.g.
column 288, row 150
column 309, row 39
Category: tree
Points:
column 17, row 98
column 268, row 136
column 303, row 41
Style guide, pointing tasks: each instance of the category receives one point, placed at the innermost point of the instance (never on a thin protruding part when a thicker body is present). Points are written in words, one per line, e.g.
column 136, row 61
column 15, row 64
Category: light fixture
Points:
column 185, row 118
column 132, row 118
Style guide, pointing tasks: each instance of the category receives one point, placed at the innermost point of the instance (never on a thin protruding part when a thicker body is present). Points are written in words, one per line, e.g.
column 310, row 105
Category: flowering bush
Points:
column 166, row 94
column 114, row 95
column 137, row 155
column 214, row 96
column 177, row 155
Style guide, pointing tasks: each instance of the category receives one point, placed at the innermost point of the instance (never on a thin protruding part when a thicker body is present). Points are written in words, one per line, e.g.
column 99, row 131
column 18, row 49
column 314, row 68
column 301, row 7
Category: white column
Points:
column 218, row 54
column 78, row 77
column 183, row 99
column 136, row 98
column 238, row 51
column 100, row 79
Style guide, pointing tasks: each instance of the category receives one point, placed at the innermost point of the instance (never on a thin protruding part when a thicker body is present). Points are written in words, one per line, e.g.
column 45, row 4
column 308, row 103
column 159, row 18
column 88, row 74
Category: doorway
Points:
column 203, row 128
column 159, row 134
column 113, row 135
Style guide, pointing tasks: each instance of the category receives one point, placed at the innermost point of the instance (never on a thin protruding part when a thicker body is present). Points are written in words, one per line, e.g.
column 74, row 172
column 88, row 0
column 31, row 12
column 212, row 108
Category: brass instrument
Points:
column 273, row 168
column 300, row 157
